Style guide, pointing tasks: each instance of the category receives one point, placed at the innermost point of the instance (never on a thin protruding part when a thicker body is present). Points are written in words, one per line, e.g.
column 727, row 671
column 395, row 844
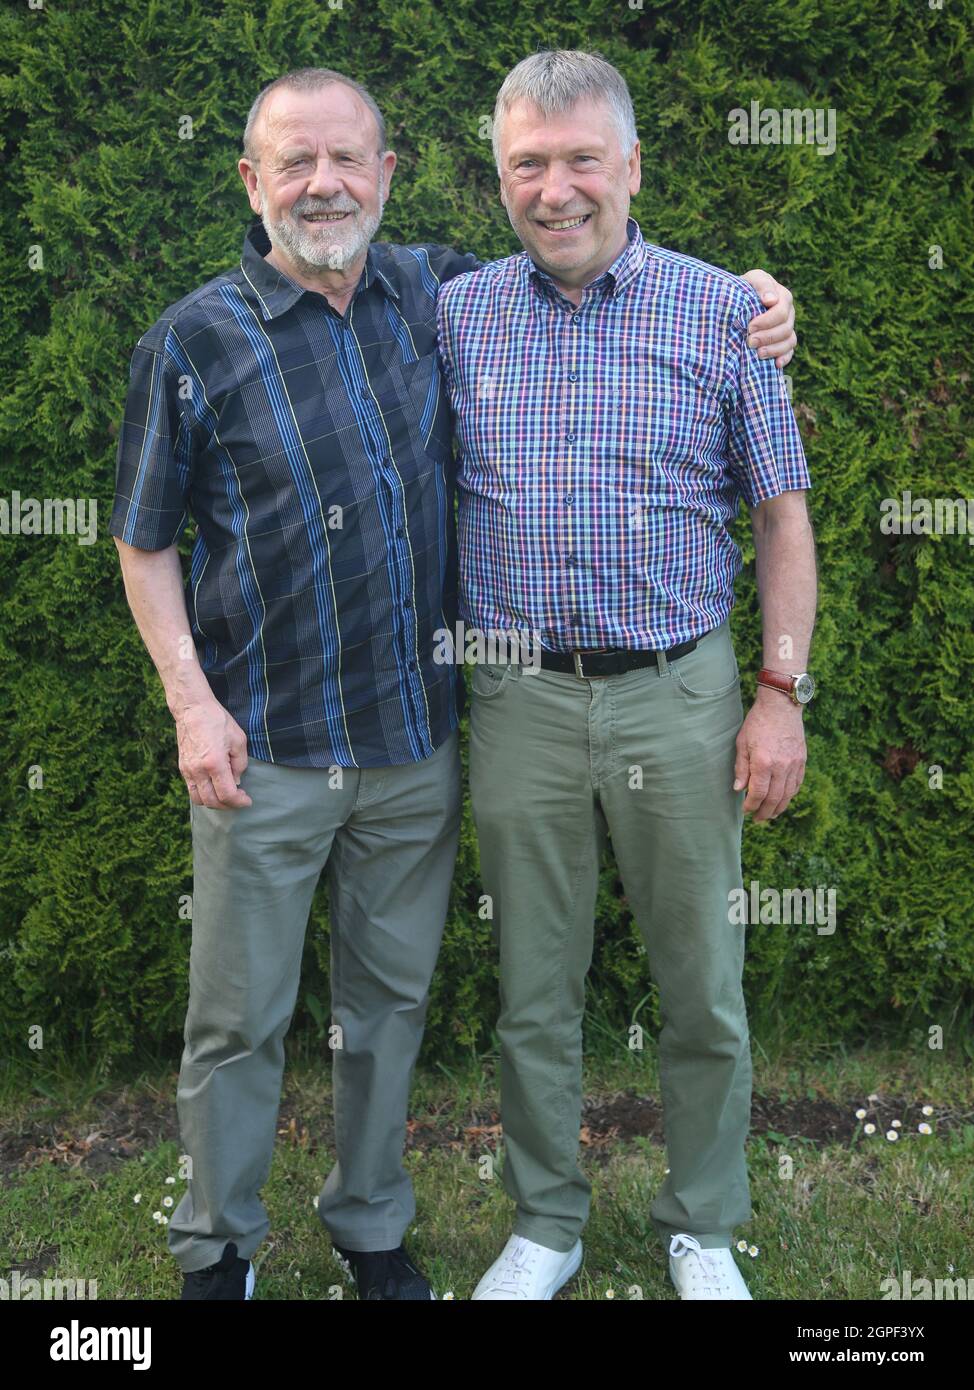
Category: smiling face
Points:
column 566, row 185
column 319, row 185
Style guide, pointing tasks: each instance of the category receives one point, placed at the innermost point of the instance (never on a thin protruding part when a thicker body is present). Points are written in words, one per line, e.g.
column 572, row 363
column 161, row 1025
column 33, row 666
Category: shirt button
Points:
column 570, row 560
column 400, row 532
column 412, row 666
column 408, row 603
column 569, row 499
column 573, row 376
column 570, row 438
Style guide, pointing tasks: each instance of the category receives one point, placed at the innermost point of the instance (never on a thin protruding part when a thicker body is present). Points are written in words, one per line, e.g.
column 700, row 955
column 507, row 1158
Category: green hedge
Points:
column 130, row 216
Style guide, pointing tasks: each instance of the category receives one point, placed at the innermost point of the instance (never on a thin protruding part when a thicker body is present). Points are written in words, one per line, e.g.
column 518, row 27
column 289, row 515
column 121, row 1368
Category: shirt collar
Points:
column 623, row 270
column 276, row 292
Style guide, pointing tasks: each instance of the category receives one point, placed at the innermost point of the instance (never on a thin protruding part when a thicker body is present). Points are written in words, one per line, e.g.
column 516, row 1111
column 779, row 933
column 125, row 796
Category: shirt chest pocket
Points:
column 414, row 406
column 662, row 429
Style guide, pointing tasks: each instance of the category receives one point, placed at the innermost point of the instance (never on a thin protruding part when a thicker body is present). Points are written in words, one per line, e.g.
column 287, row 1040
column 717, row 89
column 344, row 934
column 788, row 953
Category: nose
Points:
column 325, row 181
column 556, row 188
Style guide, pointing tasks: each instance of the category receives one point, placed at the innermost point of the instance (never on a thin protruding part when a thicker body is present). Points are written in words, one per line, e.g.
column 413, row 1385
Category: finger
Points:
column 740, row 769
column 782, row 333
column 791, row 786
column 777, row 347
column 779, row 316
column 194, row 795
column 238, row 757
column 224, row 784
column 762, row 283
column 205, row 788
column 757, row 788
column 772, row 797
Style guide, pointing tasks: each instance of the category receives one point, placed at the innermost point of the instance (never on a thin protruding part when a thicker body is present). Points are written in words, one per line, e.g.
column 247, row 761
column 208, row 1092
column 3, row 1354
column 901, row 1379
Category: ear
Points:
column 248, row 173
column 389, row 163
column 635, row 171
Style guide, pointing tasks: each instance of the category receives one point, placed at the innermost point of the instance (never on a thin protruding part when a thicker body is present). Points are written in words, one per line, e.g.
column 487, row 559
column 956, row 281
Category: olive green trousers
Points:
column 557, row 764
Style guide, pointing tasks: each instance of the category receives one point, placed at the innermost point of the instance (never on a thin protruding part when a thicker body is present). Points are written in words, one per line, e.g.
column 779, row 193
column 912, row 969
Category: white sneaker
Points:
column 249, row 1290
column 526, row 1270
column 704, row 1274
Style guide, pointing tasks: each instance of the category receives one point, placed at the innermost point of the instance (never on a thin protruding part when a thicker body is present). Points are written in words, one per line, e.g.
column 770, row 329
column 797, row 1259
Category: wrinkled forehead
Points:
column 527, row 130
column 326, row 115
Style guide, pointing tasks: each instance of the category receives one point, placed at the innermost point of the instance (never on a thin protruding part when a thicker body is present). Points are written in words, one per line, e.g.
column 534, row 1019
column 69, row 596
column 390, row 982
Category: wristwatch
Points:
column 799, row 688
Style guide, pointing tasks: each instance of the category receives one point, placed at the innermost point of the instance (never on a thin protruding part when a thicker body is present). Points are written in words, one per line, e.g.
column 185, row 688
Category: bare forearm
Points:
column 787, row 589
column 154, row 589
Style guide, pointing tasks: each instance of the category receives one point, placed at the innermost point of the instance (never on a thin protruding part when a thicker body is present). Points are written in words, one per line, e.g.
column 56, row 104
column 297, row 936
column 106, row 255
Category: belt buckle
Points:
column 577, row 661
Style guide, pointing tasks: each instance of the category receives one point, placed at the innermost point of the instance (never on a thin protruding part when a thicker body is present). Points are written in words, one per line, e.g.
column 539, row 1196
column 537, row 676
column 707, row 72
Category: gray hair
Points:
column 307, row 80
column 555, row 79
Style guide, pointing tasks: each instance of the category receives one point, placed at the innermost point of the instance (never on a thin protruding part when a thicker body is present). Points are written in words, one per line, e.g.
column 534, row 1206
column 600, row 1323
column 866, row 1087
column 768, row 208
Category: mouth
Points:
column 565, row 226
column 327, row 217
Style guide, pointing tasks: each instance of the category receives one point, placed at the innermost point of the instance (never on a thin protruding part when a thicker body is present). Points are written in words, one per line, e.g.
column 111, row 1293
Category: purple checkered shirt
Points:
column 604, row 448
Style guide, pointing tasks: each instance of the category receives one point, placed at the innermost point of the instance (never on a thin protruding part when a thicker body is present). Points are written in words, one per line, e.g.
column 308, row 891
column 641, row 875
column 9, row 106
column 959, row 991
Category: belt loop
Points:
column 661, row 661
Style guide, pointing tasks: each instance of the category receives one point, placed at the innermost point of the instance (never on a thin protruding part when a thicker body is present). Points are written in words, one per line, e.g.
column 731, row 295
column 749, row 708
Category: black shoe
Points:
column 386, row 1275
column 229, row 1278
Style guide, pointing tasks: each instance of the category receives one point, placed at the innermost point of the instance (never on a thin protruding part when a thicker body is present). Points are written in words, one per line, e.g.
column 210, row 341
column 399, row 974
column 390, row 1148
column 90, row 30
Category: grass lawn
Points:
column 848, row 1211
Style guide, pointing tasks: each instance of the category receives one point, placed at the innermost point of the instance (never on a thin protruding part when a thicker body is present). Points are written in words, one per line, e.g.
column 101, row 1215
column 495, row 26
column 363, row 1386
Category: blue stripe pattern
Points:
column 313, row 452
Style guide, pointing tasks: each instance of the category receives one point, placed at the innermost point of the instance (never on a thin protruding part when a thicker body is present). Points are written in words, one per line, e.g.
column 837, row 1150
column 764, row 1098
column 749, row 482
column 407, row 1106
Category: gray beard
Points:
column 312, row 253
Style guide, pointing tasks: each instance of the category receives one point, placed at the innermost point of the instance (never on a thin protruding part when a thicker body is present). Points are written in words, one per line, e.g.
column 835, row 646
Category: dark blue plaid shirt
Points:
column 313, row 451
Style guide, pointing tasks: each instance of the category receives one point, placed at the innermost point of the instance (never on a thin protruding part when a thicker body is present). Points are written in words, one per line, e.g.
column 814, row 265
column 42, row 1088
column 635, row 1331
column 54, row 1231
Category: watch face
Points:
column 804, row 689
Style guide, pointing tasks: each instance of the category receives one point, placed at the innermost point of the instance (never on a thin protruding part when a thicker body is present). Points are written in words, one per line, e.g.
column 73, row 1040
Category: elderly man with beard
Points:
column 293, row 406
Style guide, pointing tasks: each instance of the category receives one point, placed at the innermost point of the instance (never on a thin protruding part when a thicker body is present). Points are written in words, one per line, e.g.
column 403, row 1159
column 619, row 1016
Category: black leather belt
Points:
column 614, row 661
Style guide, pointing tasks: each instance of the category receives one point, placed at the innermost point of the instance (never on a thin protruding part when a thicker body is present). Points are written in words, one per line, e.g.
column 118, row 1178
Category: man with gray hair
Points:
column 626, row 417
column 294, row 407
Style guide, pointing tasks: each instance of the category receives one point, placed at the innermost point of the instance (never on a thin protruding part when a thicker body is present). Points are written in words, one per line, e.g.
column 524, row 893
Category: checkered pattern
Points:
column 604, row 448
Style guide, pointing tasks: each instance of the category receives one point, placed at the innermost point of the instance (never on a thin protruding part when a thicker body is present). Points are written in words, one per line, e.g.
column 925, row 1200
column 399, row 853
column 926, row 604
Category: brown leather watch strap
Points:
column 777, row 680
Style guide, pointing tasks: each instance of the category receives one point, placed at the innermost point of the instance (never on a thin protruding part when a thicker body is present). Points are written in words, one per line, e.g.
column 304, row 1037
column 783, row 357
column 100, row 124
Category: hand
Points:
column 212, row 756
column 773, row 332
column 771, row 754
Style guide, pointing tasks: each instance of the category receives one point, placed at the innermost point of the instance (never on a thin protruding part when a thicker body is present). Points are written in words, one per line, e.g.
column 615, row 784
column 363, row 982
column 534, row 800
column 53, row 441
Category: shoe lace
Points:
column 704, row 1268
column 515, row 1268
